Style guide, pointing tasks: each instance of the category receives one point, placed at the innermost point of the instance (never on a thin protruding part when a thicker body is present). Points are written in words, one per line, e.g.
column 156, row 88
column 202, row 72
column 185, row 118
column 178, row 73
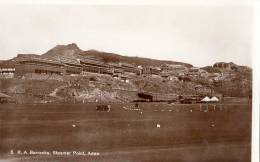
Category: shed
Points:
column 4, row 97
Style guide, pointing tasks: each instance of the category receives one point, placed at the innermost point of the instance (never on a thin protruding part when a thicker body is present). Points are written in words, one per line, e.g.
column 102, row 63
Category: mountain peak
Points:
column 73, row 46
column 68, row 50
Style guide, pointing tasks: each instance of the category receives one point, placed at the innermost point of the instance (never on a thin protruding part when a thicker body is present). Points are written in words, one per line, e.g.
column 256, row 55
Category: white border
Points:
column 132, row 2
column 256, row 33
column 256, row 81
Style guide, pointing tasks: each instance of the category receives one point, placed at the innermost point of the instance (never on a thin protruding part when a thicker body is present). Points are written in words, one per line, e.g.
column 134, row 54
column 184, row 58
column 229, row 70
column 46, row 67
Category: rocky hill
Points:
column 73, row 51
column 70, row 50
column 111, row 57
column 236, row 80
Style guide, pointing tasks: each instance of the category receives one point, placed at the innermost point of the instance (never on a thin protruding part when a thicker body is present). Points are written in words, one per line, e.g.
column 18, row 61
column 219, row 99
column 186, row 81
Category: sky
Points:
column 197, row 34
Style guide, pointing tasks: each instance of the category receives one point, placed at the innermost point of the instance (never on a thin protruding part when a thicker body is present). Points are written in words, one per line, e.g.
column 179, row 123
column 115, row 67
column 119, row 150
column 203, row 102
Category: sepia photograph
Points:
column 122, row 82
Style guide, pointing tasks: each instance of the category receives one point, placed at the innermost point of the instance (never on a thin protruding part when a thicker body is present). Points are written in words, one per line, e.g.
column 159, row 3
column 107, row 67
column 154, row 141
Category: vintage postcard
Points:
column 125, row 82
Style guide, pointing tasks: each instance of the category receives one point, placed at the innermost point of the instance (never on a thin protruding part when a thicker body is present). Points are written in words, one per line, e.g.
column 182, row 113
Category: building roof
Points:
column 92, row 61
column 2, row 95
column 124, row 76
column 41, row 60
column 213, row 74
column 155, row 68
column 194, row 68
column 7, row 64
column 175, row 65
column 68, row 60
column 126, row 64
column 114, row 64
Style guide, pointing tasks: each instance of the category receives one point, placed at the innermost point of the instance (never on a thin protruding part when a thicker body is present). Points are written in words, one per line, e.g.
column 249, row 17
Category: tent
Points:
column 206, row 99
column 214, row 99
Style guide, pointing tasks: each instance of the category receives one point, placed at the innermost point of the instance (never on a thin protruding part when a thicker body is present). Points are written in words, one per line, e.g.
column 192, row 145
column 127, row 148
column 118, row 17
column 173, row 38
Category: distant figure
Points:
column 136, row 105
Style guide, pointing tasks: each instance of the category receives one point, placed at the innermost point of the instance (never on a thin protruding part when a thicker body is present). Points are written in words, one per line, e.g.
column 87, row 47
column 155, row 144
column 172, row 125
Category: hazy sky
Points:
column 200, row 35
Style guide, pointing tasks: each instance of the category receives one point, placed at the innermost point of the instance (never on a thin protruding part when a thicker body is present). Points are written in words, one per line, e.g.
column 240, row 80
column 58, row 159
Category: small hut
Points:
column 4, row 98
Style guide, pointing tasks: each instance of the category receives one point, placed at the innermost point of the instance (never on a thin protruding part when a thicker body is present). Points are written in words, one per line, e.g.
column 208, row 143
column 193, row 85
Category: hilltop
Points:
column 70, row 50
